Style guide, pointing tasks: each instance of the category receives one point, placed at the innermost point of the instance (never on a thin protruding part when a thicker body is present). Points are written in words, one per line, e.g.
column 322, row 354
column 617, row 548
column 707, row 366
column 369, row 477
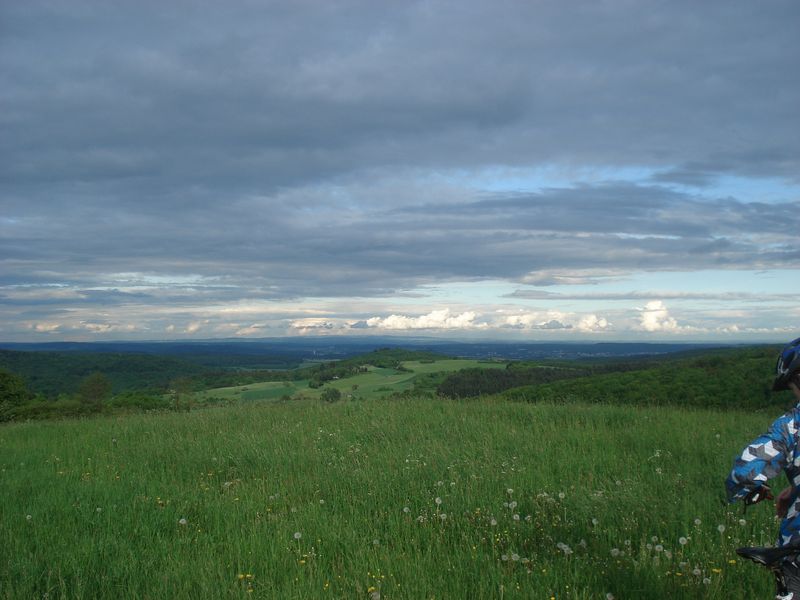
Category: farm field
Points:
column 380, row 499
column 378, row 382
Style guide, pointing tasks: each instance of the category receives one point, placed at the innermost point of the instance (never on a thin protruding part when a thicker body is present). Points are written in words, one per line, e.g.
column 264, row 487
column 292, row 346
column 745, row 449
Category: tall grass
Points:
column 416, row 499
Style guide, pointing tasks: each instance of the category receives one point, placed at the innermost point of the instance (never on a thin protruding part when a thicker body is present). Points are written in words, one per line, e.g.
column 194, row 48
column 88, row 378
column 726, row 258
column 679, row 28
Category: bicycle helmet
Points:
column 788, row 366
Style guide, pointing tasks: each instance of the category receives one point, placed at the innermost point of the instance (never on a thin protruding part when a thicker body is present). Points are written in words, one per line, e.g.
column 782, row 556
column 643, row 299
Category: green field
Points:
column 376, row 383
column 382, row 498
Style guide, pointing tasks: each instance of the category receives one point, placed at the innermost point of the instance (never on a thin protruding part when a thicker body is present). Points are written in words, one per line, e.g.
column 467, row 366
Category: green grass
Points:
column 378, row 382
column 93, row 508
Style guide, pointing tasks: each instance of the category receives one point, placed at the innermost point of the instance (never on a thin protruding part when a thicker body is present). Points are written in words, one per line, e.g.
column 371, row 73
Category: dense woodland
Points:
column 56, row 384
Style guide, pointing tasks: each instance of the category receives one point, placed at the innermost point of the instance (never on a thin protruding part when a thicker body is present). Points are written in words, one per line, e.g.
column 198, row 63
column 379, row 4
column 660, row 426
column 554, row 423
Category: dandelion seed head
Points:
column 683, row 541
column 697, row 521
column 721, row 528
column 742, row 522
column 706, row 581
column 697, row 572
column 297, row 535
column 183, row 522
column 406, row 510
column 438, row 500
column 615, row 552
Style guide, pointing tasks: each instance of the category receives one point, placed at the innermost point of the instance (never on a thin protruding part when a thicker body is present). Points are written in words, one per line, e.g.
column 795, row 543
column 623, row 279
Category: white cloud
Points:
column 553, row 320
column 655, row 317
column 194, row 327
column 592, row 323
column 437, row 319
column 314, row 324
column 46, row 327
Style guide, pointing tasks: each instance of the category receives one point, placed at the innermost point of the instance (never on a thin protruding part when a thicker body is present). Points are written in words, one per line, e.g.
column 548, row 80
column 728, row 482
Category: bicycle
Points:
column 782, row 561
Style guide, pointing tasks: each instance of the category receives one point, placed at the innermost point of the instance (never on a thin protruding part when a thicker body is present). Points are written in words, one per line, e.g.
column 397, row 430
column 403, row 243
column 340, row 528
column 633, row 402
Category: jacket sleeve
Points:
column 764, row 458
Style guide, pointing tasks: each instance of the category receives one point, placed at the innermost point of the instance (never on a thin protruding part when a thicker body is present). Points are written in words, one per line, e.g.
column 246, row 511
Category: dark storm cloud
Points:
column 278, row 150
column 250, row 96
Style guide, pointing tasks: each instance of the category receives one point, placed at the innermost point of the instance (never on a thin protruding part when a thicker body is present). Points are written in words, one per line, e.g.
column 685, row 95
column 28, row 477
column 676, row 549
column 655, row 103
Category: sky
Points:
column 605, row 170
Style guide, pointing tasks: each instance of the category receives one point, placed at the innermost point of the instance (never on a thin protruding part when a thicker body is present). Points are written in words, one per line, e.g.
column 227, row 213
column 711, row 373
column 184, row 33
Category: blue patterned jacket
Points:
column 764, row 458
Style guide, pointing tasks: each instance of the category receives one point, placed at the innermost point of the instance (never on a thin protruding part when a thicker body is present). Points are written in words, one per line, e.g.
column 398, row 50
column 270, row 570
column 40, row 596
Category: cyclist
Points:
column 772, row 452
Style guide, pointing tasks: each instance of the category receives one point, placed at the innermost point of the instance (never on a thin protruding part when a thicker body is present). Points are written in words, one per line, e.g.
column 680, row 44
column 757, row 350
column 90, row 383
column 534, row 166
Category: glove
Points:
column 757, row 495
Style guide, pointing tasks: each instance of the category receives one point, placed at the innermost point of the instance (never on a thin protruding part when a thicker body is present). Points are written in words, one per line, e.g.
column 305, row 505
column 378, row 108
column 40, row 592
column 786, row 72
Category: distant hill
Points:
column 733, row 378
column 53, row 373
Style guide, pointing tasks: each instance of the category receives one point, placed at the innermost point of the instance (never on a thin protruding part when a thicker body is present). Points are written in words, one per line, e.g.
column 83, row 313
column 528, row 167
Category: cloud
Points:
column 655, row 317
column 437, row 319
column 665, row 295
column 161, row 164
column 590, row 323
column 554, row 321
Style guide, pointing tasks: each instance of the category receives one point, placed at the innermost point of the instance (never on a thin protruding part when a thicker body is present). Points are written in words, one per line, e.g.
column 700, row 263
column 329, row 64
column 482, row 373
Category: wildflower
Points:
column 493, row 522
column 706, row 580
column 406, row 510
column 512, row 505
column 697, row 572
column 721, row 528
column 742, row 522
column 516, row 517
column 504, row 557
column 183, row 522
column 509, row 491
column 697, row 522
column 654, row 539
column 595, row 522
column 376, row 542
column 443, row 516
column 609, row 596
column 659, row 548
column 28, row 517
column 683, row 541
column 321, row 502
column 99, row 510
column 297, row 535
column 438, row 501
column 615, row 552
column 515, row 557
column 561, row 495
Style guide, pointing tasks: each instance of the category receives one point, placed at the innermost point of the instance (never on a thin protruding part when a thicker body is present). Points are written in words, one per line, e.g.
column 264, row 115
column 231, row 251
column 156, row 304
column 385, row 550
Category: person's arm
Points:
column 762, row 460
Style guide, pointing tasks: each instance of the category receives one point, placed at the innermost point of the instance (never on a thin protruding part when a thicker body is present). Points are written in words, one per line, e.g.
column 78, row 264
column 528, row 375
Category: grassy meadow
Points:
column 377, row 382
column 380, row 499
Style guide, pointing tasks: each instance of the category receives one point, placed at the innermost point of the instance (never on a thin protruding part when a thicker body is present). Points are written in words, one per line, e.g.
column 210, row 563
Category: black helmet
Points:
column 788, row 365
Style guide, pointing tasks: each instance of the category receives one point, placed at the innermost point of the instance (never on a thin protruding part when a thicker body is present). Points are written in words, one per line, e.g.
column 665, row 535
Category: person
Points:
column 776, row 451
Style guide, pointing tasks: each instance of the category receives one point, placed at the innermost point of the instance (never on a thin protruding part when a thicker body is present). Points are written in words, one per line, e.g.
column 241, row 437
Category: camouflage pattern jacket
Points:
column 764, row 458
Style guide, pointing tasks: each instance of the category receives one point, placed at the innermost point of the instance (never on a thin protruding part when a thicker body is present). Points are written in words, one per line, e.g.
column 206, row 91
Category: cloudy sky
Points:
column 600, row 169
